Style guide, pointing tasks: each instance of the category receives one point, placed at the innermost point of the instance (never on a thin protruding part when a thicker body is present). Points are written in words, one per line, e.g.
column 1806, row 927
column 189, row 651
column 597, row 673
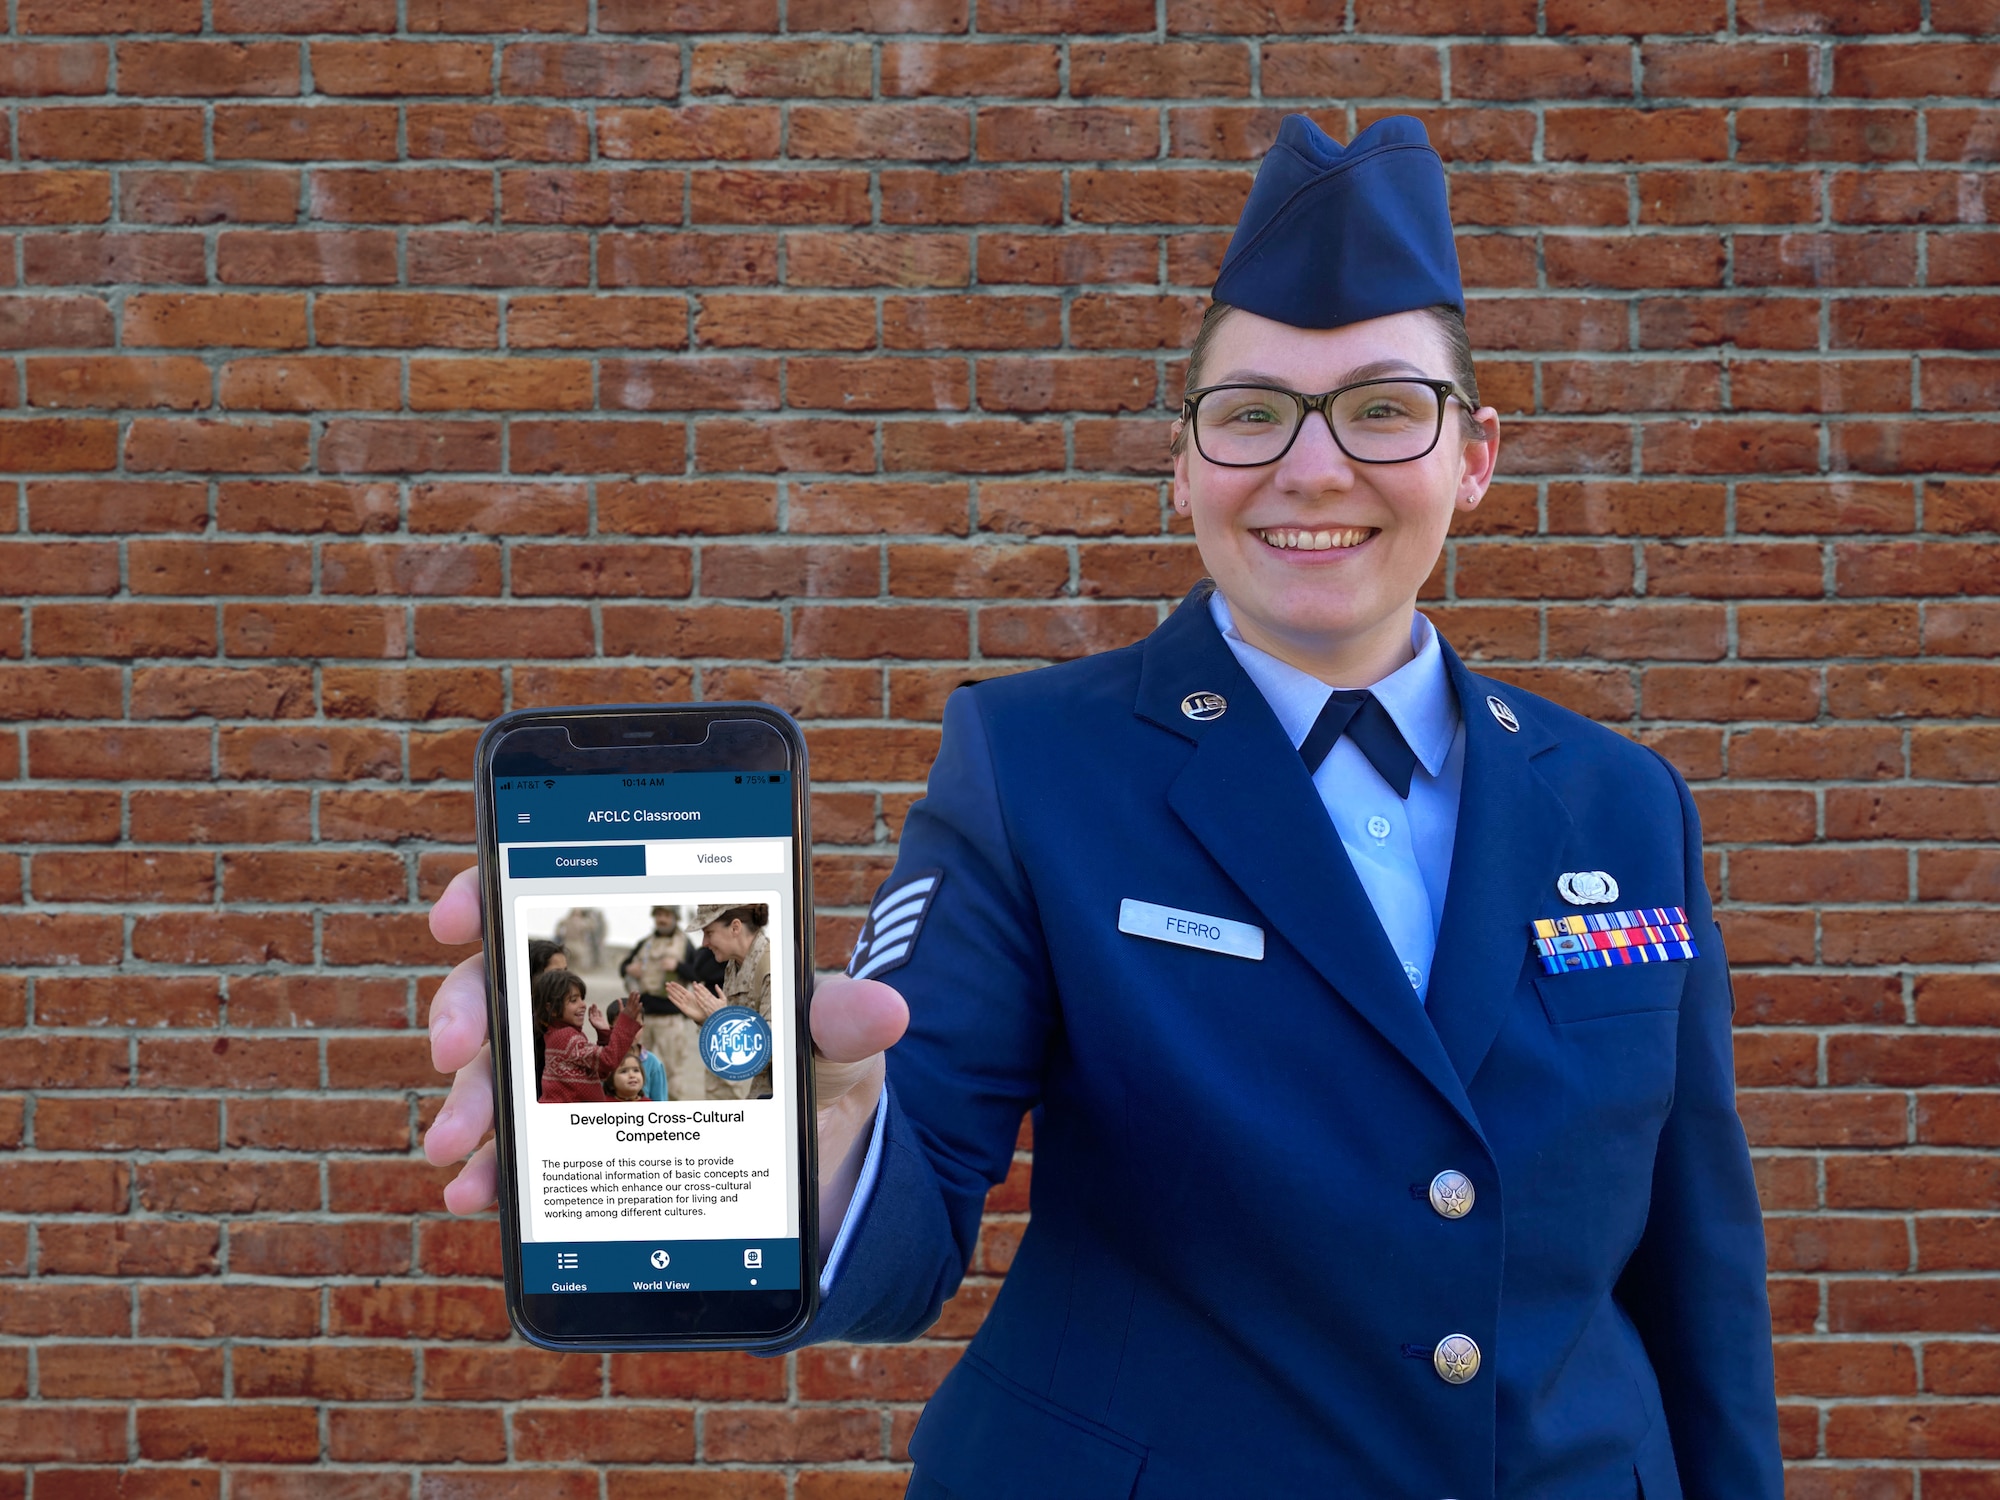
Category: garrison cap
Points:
column 1334, row 235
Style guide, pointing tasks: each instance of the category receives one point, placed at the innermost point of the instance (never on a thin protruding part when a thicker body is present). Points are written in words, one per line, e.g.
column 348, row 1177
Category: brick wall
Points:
column 374, row 366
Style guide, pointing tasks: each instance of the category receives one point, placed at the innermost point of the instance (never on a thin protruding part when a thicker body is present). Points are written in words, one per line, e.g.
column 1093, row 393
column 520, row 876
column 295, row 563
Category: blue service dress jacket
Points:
column 1234, row 1281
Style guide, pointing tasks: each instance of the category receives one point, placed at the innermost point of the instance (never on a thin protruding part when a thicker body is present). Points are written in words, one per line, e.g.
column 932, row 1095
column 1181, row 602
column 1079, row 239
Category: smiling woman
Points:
column 1361, row 1119
column 1321, row 534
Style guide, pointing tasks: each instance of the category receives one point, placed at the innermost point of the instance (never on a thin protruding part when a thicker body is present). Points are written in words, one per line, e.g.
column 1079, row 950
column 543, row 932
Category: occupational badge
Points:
column 1504, row 714
column 735, row 1043
column 1587, row 888
column 890, row 934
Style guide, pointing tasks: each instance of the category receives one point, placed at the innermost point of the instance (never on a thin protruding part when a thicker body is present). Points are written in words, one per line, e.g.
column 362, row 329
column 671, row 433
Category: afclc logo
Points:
column 735, row 1043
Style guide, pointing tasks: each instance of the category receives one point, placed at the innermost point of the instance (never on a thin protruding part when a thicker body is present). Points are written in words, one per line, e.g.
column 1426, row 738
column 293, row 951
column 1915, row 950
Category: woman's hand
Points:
column 854, row 1021
column 696, row 1001
column 458, row 1047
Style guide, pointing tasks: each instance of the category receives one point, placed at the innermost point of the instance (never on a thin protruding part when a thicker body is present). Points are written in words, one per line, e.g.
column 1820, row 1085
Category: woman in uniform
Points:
column 737, row 937
column 1448, row 1196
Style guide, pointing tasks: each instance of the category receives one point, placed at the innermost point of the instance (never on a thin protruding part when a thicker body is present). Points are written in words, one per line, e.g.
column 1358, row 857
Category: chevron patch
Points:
column 890, row 934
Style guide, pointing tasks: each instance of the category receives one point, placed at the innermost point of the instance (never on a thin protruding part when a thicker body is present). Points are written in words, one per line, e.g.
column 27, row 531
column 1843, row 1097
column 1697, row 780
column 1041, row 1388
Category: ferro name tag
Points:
column 1191, row 929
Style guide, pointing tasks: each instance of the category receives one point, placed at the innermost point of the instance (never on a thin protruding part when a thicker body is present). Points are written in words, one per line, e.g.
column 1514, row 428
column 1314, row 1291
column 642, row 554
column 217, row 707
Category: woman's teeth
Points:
column 1292, row 540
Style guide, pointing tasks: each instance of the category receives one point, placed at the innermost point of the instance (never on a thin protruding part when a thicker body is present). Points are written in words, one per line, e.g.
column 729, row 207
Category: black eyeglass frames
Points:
column 1393, row 420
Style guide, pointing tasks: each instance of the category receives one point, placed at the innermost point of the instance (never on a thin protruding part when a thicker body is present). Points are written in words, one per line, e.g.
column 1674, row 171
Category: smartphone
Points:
column 657, row 1160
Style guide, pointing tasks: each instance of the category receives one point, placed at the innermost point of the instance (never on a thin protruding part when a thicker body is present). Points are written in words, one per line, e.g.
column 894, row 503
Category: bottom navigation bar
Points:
column 659, row 1266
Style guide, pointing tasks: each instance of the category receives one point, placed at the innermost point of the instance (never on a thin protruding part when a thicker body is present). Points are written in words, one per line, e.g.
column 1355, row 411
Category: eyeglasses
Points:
column 1373, row 421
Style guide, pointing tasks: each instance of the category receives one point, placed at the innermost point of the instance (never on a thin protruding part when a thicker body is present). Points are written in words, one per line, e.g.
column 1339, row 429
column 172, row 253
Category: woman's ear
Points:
column 1480, row 456
column 1182, row 498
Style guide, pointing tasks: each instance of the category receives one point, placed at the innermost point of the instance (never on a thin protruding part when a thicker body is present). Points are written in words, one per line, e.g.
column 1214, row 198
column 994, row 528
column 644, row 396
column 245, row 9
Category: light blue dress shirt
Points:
column 1401, row 850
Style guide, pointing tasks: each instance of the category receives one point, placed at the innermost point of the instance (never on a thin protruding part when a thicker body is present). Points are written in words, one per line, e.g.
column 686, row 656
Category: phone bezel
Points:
column 676, row 741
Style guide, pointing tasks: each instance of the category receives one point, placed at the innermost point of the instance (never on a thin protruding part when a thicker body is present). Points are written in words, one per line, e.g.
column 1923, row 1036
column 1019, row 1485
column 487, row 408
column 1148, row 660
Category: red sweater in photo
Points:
column 573, row 1071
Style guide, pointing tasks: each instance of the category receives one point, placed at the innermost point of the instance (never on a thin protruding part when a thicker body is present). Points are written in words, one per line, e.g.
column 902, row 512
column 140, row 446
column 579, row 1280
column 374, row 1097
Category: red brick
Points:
column 209, row 197
column 556, row 447
column 479, row 258
column 511, row 384
column 208, row 68
column 573, row 196
column 556, row 1433
column 317, row 1249
column 418, row 1310
column 824, row 196
column 1843, row 260
column 85, row 1434
column 688, row 260
column 591, row 70
column 55, row 197
column 117, row 630
column 808, row 1435
column 102, row 1000
column 305, row 132
column 89, row 257
column 393, row 446
column 56, row 445
column 28, row 70
column 407, row 320
column 110, row 133
column 493, row 132
column 317, row 1000
column 354, row 1373
column 902, row 15
column 596, row 321
column 782, row 69
column 399, row 195
column 1894, row 70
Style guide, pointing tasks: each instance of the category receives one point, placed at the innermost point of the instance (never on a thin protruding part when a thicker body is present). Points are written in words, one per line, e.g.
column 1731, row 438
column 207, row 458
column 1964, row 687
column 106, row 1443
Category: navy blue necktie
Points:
column 1355, row 713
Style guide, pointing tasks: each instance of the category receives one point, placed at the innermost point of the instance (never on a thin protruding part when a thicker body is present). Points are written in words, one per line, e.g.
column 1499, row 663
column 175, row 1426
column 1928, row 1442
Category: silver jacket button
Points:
column 1452, row 1194
column 1456, row 1359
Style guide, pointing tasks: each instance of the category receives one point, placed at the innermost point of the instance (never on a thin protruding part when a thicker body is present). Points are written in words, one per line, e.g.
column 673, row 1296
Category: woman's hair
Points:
column 758, row 916
column 1450, row 325
column 549, row 992
column 540, row 951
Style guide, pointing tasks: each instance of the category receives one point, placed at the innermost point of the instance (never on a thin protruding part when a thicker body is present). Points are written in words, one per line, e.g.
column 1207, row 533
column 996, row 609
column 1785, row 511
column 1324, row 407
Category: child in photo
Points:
column 574, row 1067
column 654, row 1069
column 627, row 1083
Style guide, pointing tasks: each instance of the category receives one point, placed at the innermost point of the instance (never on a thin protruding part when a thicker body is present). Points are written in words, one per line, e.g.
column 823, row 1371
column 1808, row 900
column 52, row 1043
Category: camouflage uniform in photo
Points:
column 745, row 981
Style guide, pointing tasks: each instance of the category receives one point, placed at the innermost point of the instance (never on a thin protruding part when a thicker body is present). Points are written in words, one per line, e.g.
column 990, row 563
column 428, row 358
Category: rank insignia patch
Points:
column 1607, row 940
column 890, row 933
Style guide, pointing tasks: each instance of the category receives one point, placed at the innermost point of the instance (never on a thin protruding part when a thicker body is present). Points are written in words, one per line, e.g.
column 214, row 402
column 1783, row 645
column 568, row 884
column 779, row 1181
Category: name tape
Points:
column 1191, row 929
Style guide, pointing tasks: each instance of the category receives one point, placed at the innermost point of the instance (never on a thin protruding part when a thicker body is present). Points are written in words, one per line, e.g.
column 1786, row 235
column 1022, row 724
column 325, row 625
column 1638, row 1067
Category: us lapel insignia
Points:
column 1609, row 939
column 1201, row 707
column 890, row 933
column 1587, row 888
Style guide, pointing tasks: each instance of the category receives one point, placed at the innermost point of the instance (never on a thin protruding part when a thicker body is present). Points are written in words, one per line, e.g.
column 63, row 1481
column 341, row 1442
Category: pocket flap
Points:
column 1593, row 994
column 986, row 1438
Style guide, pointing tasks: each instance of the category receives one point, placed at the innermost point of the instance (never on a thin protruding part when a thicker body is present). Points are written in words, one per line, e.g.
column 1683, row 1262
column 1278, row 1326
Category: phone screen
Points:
column 659, row 1157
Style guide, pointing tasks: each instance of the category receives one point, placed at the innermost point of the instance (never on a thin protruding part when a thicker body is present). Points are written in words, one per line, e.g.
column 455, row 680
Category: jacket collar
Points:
column 1244, row 793
column 1246, row 796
